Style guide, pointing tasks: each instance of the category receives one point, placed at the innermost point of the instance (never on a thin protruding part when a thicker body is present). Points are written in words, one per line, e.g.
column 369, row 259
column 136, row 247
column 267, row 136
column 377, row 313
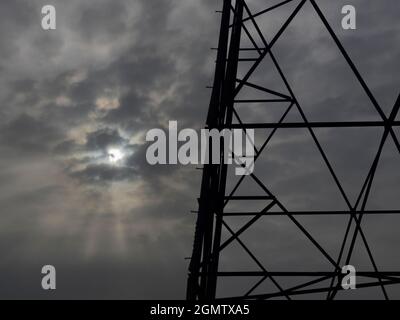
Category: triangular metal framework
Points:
column 204, row 265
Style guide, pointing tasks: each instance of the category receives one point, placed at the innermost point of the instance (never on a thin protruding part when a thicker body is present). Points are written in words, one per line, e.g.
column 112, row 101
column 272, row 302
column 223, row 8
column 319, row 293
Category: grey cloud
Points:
column 104, row 138
column 109, row 229
column 28, row 134
column 103, row 173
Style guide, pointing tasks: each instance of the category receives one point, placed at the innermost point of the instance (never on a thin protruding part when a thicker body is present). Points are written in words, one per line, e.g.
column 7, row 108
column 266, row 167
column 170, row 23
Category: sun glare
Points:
column 115, row 155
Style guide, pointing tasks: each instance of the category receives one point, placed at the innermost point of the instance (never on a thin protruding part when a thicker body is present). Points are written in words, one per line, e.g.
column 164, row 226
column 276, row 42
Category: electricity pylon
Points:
column 239, row 22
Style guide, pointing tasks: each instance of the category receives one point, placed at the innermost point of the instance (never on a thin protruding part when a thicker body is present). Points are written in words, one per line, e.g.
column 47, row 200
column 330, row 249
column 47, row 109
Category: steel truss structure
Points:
column 204, row 270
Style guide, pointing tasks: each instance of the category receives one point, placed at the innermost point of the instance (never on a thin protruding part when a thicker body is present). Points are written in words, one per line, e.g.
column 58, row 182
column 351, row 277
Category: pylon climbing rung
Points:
column 249, row 198
column 261, row 101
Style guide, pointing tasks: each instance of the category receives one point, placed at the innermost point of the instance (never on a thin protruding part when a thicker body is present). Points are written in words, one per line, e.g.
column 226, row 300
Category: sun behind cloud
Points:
column 115, row 155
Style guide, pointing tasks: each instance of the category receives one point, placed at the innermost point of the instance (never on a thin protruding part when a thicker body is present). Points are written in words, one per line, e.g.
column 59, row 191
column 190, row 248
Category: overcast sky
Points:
column 114, row 70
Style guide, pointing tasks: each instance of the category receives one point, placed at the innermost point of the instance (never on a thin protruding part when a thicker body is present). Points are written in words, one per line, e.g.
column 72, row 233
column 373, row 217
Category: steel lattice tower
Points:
column 204, row 271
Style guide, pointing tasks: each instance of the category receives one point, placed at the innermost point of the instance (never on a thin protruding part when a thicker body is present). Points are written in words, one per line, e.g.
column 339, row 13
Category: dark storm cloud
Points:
column 103, row 139
column 100, row 140
column 116, row 69
column 112, row 16
column 28, row 134
column 135, row 111
column 101, row 173
column 20, row 11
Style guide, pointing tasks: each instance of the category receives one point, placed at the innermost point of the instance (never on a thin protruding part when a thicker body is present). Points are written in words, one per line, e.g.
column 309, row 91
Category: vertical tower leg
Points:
column 204, row 262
